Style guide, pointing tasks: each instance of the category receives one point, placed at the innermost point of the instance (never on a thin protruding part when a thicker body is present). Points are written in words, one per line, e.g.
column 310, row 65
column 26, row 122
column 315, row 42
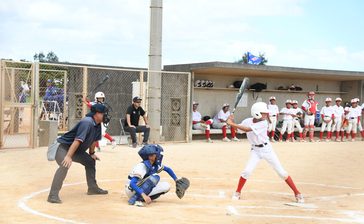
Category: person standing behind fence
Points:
column 309, row 106
column 273, row 117
column 199, row 124
column 220, row 123
column 73, row 146
column 100, row 99
column 133, row 114
column 338, row 118
column 23, row 94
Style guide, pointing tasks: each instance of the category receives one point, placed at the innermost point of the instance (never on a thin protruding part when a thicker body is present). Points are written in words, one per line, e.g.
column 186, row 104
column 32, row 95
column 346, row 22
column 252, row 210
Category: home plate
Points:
column 301, row 205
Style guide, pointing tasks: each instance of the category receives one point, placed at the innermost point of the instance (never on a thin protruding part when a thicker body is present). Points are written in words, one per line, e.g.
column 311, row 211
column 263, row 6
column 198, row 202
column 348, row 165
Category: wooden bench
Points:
column 212, row 131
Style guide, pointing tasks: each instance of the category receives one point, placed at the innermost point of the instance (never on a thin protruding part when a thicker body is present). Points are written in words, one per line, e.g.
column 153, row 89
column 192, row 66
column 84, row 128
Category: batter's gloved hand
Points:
column 182, row 185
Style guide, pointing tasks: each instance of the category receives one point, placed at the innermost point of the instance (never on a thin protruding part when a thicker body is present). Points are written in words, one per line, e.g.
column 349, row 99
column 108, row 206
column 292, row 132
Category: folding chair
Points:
column 123, row 133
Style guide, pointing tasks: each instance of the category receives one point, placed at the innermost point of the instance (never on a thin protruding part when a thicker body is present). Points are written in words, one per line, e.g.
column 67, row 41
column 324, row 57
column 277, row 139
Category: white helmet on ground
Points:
column 99, row 95
column 258, row 108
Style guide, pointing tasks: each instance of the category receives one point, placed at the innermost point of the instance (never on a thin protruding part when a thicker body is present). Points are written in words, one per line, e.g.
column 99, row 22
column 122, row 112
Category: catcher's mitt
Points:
column 181, row 186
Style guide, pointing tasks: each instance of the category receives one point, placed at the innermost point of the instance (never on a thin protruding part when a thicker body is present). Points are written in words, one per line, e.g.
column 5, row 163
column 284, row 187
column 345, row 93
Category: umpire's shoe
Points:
column 54, row 199
column 96, row 190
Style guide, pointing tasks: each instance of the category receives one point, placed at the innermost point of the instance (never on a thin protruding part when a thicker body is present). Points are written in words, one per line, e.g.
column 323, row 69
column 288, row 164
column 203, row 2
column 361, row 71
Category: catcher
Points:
column 144, row 185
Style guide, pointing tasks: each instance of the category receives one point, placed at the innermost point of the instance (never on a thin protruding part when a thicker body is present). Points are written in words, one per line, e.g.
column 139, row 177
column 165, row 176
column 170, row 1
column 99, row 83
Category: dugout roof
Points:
column 226, row 68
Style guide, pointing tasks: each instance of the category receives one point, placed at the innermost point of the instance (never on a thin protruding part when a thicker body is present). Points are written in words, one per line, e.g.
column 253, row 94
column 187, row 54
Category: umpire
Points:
column 133, row 114
column 73, row 146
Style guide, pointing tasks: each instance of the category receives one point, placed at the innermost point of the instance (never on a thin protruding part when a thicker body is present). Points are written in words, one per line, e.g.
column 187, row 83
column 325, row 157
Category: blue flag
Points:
column 253, row 60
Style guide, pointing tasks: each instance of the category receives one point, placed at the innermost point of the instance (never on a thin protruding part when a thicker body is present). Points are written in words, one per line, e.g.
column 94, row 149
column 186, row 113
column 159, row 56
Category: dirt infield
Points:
column 330, row 175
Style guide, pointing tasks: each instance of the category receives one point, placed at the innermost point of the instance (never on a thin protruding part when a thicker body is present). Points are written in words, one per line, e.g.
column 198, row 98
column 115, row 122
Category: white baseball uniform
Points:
column 327, row 112
column 352, row 117
column 273, row 113
column 197, row 125
column 140, row 170
column 296, row 120
column 338, row 116
column 287, row 120
column 221, row 115
column 359, row 112
column 260, row 149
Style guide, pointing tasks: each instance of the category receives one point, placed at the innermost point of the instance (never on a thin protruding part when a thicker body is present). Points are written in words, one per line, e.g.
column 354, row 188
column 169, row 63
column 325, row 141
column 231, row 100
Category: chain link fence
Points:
column 17, row 97
column 36, row 92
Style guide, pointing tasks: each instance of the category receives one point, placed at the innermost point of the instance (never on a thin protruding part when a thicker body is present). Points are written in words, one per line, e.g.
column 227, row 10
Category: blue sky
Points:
column 295, row 33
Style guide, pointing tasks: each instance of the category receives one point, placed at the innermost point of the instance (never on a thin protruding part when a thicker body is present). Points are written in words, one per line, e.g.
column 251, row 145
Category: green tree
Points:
column 41, row 57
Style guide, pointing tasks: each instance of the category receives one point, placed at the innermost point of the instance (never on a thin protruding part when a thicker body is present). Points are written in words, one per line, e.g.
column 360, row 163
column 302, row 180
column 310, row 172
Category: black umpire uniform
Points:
column 86, row 133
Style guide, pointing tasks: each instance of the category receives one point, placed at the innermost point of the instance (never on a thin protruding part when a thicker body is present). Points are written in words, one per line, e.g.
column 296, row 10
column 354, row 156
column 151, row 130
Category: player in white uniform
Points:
column 353, row 119
column 273, row 117
column 338, row 118
column 327, row 116
column 296, row 120
column 143, row 184
column 256, row 130
column 199, row 124
column 309, row 106
column 345, row 124
column 220, row 123
column 359, row 112
column 288, row 115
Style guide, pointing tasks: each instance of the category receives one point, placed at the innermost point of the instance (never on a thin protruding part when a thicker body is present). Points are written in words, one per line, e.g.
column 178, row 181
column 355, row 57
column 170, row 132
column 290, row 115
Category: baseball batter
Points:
column 309, row 106
column 327, row 116
column 199, row 124
column 100, row 98
column 256, row 130
column 338, row 119
column 220, row 123
column 143, row 184
column 288, row 115
column 296, row 120
column 273, row 117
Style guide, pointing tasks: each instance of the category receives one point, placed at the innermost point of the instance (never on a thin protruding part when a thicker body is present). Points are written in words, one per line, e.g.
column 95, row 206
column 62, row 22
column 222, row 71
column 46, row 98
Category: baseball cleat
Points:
column 236, row 196
column 299, row 198
column 209, row 140
column 139, row 204
column 113, row 143
column 226, row 139
column 235, row 139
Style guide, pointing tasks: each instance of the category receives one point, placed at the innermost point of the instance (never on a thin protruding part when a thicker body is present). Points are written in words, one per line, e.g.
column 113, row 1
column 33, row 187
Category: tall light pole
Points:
column 155, row 65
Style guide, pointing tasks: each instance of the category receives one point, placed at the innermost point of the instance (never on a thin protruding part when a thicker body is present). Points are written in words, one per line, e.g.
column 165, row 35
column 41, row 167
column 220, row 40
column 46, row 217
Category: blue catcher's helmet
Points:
column 151, row 149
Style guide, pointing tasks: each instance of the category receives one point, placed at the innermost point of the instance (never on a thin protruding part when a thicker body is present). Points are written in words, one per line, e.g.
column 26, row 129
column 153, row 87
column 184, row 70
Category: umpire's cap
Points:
column 97, row 108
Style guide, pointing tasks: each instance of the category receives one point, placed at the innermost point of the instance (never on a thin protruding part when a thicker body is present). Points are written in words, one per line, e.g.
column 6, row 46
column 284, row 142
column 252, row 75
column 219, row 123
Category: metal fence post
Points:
column 2, row 89
column 84, row 89
column 35, row 106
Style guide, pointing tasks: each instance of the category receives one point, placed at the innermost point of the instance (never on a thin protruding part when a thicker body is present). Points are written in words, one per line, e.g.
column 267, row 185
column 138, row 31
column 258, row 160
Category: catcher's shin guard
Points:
column 147, row 187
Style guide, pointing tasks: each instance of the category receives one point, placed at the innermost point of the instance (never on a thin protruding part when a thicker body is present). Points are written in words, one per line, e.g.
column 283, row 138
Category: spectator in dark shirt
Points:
column 133, row 114
column 73, row 146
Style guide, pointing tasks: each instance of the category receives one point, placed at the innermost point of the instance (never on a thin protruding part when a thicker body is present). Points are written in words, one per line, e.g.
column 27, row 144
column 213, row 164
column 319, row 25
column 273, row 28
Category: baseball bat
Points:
column 98, row 85
column 241, row 92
